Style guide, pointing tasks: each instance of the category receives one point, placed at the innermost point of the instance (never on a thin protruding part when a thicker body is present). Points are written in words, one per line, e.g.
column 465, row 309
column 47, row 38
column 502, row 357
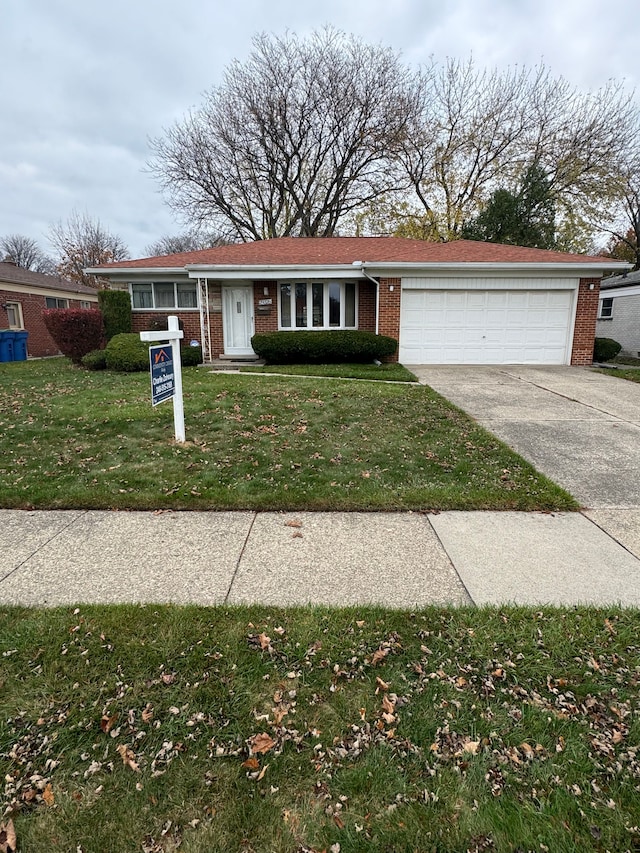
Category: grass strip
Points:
column 257, row 729
column 384, row 372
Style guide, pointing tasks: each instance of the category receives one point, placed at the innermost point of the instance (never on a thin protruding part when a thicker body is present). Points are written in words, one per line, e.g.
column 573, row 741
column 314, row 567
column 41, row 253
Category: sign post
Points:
column 166, row 372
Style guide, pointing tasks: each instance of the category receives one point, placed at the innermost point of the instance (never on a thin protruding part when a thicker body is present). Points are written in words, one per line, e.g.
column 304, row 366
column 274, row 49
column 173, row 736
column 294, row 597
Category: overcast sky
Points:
column 83, row 84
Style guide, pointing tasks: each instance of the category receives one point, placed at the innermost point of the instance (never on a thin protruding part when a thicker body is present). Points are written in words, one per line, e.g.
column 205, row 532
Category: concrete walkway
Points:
column 579, row 427
column 394, row 559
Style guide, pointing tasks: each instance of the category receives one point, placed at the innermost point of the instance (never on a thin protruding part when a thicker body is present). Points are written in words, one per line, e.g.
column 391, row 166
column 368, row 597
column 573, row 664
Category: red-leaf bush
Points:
column 76, row 331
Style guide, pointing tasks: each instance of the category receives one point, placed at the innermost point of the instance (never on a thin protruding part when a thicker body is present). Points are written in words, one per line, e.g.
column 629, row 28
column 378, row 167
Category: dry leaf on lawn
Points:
column 251, row 763
column 379, row 656
column 8, row 839
column 265, row 641
column 107, row 722
column 261, row 743
column 47, row 795
column 128, row 757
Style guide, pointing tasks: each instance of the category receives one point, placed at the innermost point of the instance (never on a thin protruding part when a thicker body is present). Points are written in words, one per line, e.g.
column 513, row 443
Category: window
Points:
column 318, row 305
column 85, row 305
column 52, row 302
column 164, row 294
column 606, row 308
column 14, row 315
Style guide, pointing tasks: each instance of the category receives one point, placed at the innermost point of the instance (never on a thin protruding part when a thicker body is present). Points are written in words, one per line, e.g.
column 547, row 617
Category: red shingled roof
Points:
column 326, row 251
column 11, row 274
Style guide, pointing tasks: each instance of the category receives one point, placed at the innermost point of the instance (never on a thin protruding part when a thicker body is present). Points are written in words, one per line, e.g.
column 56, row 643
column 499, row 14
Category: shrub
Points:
column 605, row 349
column 95, row 360
column 322, row 347
column 116, row 311
column 190, row 356
column 76, row 331
column 126, row 353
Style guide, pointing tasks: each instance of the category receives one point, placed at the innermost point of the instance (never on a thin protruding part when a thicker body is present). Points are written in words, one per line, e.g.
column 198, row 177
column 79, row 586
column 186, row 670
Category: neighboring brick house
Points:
column 23, row 297
column 463, row 302
column 619, row 311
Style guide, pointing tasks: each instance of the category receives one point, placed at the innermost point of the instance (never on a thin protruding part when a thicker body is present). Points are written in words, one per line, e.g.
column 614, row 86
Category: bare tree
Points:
column 295, row 138
column 480, row 130
column 26, row 253
column 83, row 242
column 189, row 241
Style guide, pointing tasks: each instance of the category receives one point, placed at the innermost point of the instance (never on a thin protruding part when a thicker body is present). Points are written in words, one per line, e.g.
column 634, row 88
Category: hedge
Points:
column 95, row 360
column 340, row 346
column 126, row 353
column 605, row 349
column 116, row 310
column 76, row 331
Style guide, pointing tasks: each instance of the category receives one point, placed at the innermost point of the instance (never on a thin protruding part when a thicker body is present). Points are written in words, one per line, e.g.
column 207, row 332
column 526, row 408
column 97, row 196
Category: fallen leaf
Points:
column 471, row 746
column 293, row 523
column 381, row 685
column 338, row 822
column 8, row 839
column 251, row 763
column 265, row 641
column 128, row 757
column 107, row 722
column 388, row 705
column 168, row 677
column 261, row 743
column 379, row 656
column 147, row 714
column 47, row 795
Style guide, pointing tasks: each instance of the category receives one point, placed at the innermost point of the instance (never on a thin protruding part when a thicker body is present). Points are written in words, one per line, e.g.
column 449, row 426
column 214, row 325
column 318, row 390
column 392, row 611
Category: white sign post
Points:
column 173, row 335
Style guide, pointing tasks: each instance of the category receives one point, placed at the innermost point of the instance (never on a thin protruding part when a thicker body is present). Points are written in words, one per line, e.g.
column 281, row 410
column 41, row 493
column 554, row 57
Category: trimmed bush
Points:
column 116, row 311
column 95, row 360
column 605, row 349
column 76, row 331
column 190, row 356
column 126, row 353
column 322, row 347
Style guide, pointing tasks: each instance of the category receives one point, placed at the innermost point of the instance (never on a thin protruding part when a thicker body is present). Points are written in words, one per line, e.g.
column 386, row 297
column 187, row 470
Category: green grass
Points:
column 140, row 728
column 385, row 372
column 631, row 374
column 71, row 438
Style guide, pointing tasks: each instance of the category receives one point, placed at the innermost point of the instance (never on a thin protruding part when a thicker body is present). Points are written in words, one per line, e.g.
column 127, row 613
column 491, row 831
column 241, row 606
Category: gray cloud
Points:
column 84, row 85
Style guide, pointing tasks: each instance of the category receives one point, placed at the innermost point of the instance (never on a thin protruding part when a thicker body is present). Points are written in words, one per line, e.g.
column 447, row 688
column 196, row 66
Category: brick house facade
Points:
column 459, row 302
column 24, row 295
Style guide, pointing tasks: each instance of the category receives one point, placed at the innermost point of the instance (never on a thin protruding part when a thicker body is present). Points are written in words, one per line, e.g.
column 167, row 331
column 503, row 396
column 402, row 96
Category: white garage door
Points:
column 485, row 326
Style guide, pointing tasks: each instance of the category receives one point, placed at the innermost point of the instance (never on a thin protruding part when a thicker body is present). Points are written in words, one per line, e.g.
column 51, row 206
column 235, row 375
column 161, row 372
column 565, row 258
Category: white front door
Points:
column 237, row 308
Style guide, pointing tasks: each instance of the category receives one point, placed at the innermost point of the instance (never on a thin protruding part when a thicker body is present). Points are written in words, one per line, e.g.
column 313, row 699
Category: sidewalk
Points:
column 393, row 559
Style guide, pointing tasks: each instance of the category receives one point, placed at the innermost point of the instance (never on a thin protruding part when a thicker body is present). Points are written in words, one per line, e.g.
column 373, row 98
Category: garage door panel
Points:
column 485, row 327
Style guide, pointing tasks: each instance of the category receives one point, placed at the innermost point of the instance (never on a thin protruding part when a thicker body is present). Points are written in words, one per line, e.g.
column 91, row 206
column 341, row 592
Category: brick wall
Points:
column 265, row 322
column 624, row 325
column 389, row 306
column 366, row 306
column 585, row 326
column 39, row 343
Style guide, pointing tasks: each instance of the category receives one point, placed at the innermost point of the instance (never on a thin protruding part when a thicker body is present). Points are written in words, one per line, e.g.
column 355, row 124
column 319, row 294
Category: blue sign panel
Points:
column 162, row 373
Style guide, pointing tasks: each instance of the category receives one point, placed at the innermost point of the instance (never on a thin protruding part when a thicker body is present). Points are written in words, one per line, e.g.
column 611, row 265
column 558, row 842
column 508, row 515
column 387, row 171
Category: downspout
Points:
column 377, row 284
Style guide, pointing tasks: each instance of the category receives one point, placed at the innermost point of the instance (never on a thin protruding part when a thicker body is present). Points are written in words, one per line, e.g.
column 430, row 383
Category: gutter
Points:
column 375, row 281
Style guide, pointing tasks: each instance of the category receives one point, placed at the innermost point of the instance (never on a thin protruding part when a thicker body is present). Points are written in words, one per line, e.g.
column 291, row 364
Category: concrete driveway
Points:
column 579, row 427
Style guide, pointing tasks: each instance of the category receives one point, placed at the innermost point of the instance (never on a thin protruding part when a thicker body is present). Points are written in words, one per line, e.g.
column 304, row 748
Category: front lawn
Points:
column 255, row 730
column 70, row 438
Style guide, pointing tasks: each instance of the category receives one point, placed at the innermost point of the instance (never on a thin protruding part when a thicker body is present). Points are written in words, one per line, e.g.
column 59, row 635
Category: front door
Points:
column 238, row 319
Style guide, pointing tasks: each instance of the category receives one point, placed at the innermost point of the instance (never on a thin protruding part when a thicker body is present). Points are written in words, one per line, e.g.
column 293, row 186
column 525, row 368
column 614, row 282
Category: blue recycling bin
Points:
column 20, row 346
column 6, row 344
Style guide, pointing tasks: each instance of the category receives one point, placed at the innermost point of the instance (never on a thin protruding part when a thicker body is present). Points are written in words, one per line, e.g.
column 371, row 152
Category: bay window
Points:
column 318, row 305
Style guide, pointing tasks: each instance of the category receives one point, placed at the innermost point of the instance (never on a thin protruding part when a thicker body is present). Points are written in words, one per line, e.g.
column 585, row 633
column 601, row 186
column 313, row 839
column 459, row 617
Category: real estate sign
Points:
column 163, row 379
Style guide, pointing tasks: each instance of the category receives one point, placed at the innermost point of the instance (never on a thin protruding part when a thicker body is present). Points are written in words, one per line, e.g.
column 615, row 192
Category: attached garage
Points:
column 491, row 321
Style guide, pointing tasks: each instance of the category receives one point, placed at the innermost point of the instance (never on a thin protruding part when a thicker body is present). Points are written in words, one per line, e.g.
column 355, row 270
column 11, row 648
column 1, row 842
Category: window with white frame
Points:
column 84, row 304
column 606, row 308
column 318, row 305
column 160, row 295
column 14, row 315
column 53, row 302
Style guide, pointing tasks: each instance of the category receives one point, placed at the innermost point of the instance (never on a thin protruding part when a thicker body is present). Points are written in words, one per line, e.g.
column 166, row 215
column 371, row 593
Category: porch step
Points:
column 233, row 363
